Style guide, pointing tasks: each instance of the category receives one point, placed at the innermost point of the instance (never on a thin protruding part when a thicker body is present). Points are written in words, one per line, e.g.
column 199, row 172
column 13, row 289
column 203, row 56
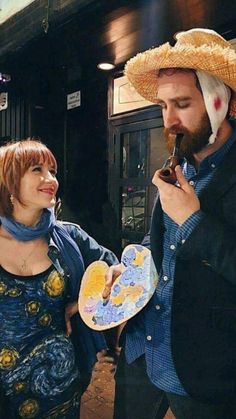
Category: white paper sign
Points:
column 73, row 100
column 3, row 101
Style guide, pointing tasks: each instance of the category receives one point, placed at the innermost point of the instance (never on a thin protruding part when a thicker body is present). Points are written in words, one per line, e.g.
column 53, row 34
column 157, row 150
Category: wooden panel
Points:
column 13, row 120
column 121, row 32
column 118, row 29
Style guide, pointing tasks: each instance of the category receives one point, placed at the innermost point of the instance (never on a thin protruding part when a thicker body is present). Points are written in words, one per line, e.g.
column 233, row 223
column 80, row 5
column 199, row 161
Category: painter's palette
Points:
column 130, row 292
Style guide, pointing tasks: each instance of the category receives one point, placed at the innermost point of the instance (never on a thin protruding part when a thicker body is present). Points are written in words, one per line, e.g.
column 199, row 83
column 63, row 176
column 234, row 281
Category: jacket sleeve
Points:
column 213, row 243
column 146, row 240
column 90, row 249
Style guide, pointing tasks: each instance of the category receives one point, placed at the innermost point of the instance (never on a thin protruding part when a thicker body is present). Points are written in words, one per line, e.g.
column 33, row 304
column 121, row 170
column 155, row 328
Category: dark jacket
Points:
column 204, row 296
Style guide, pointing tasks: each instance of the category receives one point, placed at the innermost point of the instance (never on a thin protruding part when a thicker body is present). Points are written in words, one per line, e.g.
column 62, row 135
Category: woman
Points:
column 42, row 364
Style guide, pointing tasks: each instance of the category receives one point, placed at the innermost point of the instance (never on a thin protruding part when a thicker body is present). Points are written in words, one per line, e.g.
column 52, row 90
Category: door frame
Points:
column 135, row 121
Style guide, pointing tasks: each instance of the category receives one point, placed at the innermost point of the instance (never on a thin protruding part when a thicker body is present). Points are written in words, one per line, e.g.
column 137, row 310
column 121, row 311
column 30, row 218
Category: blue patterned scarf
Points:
column 48, row 224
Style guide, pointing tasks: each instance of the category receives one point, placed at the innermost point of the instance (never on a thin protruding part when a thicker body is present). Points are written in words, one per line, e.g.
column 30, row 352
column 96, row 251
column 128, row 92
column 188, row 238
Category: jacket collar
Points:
column 223, row 179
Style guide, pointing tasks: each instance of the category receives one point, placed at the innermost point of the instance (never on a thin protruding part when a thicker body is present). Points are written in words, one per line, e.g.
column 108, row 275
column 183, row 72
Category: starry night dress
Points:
column 39, row 377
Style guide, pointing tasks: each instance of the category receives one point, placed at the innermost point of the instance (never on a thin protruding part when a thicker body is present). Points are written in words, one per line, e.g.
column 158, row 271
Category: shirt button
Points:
column 191, row 182
column 149, row 337
column 165, row 278
column 183, row 241
column 172, row 247
column 213, row 165
column 158, row 307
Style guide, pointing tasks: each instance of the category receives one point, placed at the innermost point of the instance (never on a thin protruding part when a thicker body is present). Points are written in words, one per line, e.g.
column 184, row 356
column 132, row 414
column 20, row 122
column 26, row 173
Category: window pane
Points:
column 143, row 152
column 134, row 154
column 133, row 209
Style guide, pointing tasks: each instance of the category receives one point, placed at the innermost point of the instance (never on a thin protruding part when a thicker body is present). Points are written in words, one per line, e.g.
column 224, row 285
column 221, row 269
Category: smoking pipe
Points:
column 168, row 172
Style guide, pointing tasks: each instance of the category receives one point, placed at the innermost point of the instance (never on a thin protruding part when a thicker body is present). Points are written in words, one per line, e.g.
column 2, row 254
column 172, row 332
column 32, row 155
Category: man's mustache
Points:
column 170, row 136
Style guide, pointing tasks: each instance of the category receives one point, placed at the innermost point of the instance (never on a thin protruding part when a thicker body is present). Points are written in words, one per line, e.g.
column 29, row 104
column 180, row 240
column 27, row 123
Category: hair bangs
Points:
column 32, row 153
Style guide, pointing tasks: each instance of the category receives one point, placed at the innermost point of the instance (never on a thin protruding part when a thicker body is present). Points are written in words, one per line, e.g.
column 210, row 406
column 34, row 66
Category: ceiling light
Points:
column 105, row 66
column 4, row 78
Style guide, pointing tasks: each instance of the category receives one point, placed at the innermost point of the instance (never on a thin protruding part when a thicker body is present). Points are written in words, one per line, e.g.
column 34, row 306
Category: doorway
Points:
column 136, row 151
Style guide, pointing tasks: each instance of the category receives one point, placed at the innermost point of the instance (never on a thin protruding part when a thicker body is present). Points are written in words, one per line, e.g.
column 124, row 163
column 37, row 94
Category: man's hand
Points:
column 111, row 275
column 70, row 311
column 178, row 202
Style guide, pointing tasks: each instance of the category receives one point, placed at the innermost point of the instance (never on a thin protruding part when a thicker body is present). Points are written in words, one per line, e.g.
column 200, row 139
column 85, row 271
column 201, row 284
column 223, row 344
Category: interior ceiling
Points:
column 138, row 25
column 117, row 30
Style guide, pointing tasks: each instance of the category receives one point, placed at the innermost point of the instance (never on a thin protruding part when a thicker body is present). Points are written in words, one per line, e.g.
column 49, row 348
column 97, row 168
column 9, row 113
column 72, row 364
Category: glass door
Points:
column 137, row 151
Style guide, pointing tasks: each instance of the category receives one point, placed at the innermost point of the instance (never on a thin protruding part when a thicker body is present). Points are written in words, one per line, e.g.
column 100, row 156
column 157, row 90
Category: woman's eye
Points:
column 53, row 172
column 36, row 169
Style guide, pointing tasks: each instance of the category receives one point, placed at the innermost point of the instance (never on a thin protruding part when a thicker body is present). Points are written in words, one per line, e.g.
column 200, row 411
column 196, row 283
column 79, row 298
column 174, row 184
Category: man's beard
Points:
column 192, row 142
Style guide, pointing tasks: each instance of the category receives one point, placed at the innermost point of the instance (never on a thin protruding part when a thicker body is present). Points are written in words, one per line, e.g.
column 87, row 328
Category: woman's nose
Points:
column 49, row 176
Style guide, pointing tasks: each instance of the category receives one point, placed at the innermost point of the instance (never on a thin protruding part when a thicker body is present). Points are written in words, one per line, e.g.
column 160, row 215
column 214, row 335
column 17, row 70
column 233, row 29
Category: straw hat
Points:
column 197, row 49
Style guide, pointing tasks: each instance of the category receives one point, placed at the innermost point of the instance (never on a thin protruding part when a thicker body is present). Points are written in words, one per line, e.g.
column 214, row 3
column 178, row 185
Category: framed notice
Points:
column 125, row 98
column 73, row 100
column 3, row 101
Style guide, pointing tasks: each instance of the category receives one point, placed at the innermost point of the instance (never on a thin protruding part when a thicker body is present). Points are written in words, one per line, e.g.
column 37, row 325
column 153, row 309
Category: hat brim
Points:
column 142, row 70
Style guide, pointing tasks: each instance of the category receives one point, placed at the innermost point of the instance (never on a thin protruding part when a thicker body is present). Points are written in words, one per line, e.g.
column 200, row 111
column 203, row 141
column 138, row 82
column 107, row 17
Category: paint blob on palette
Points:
column 130, row 292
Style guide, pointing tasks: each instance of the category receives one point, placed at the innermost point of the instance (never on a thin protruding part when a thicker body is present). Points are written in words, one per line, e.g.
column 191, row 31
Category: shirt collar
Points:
column 215, row 158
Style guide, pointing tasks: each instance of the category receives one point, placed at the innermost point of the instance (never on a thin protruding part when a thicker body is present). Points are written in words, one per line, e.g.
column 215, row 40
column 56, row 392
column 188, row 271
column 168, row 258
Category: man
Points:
column 181, row 348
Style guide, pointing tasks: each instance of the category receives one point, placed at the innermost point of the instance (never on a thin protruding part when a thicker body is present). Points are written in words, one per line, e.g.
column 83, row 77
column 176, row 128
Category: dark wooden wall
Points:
column 117, row 28
column 15, row 122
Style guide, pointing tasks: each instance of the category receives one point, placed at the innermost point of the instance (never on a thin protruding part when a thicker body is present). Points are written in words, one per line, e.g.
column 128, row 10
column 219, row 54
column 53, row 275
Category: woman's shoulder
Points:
column 69, row 225
column 73, row 229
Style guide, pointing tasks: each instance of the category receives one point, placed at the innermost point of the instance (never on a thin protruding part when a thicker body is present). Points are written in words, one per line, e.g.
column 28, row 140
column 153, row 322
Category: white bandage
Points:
column 216, row 97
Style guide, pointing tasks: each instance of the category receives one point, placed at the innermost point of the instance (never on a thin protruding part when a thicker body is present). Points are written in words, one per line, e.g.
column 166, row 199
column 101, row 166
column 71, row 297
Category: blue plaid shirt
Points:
column 152, row 335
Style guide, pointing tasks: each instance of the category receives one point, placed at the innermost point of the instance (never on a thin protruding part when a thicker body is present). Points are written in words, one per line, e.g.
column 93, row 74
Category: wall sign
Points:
column 125, row 97
column 3, row 101
column 73, row 100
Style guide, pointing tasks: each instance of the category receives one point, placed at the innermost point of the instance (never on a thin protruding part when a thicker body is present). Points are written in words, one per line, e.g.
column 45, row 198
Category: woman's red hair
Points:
column 15, row 159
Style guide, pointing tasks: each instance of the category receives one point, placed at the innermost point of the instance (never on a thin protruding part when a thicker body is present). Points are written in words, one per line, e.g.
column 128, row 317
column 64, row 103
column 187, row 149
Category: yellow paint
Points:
column 32, row 307
column 29, row 409
column 134, row 292
column 130, row 294
column 8, row 358
column 55, row 284
column 139, row 259
column 95, row 281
